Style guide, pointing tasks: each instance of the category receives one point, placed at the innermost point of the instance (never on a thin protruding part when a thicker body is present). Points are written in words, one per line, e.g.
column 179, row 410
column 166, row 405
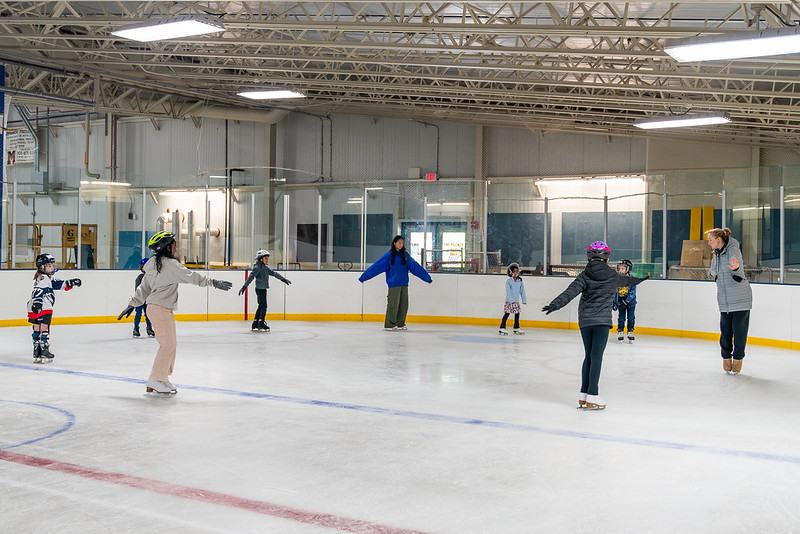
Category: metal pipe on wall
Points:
column 253, row 222
column 144, row 224
column 319, row 232
column 364, row 231
column 424, row 254
column 90, row 174
column 485, row 231
column 285, row 232
column 190, row 236
column 664, row 238
column 605, row 218
column 13, row 262
column 80, row 199
column 782, row 242
column 546, row 232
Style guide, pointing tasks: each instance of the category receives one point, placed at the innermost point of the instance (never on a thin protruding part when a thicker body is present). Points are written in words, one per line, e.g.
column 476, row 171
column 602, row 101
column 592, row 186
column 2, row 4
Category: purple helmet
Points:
column 598, row 250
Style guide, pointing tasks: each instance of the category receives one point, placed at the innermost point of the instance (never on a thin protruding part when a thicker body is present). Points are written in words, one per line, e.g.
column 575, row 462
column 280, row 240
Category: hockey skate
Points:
column 519, row 331
column 404, row 327
column 150, row 332
column 45, row 354
column 594, row 402
column 503, row 331
column 159, row 388
column 630, row 336
column 37, row 352
column 262, row 326
column 254, row 326
column 136, row 332
column 620, row 335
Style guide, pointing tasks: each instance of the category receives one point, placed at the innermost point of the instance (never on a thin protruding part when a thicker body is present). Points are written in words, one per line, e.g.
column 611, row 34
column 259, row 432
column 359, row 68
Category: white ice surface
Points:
column 439, row 429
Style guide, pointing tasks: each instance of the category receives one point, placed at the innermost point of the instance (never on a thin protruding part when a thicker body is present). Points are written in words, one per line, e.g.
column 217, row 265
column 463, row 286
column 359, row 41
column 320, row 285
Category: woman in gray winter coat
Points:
column 596, row 285
column 734, row 297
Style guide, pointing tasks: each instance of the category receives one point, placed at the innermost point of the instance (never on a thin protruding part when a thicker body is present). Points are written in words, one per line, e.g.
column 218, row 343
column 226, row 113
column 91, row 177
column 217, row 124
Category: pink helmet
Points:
column 599, row 250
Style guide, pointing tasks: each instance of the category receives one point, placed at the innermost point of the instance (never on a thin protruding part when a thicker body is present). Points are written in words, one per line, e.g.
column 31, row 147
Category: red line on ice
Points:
column 196, row 494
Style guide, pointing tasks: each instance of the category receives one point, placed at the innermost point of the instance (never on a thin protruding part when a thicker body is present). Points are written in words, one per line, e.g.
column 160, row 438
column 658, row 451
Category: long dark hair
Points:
column 163, row 253
column 395, row 252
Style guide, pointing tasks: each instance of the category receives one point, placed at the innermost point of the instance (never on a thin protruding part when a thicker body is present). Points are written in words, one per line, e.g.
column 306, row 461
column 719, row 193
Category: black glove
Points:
column 614, row 308
column 125, row 313
column 36, row 307
column 646, row 278
column 241, row 291
column 222, row 284
column 549, row 309
column 737, row 278
column 74, row 282
column 287, row 282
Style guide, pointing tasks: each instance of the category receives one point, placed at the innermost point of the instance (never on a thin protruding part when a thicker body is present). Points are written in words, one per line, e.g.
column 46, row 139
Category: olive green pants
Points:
column 396, row 307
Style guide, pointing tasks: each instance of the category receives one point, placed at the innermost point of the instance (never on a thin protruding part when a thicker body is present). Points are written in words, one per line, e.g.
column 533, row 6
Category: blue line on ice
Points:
column 67, row 425
column 674, row 445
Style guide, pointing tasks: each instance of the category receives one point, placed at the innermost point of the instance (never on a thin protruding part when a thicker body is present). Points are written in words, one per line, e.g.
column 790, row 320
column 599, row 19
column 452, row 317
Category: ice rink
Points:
column 342, row 427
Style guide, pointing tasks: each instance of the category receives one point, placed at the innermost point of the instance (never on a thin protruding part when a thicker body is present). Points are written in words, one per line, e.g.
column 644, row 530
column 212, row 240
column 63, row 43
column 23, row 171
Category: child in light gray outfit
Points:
column 261, row 274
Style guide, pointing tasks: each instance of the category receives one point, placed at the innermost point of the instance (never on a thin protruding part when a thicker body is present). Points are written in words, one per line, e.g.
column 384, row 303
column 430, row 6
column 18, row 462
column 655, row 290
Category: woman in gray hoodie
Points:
column 734, row 297
column 596, row 285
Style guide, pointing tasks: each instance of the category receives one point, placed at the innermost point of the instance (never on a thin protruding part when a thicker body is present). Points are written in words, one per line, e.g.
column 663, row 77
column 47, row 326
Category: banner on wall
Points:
column 19, row 146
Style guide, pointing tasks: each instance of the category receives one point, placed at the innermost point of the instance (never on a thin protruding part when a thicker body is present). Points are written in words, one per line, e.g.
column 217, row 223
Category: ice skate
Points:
column 48, row 356
column 262, row 326
column 404, row 327
column 594, row 402
column 630, row 336
column 581, row 400
column 390, row 328
column 254, row 327
column 519, row 331
column 620, row 335
column 736, row 367
column 159, row 388
column 172, row 387
column 136, row 332
column 37, row 353
column 150, row 332
column 503, row 331
column 727, row 365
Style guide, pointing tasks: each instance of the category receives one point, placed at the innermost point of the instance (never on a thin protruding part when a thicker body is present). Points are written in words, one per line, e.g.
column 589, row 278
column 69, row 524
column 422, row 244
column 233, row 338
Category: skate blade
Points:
column 503, row 333
column 153, row 393
column 519, row 333
column 594, row 407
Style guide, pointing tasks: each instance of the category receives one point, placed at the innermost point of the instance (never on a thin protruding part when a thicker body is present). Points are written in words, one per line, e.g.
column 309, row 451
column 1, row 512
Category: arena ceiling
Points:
column 570, row 66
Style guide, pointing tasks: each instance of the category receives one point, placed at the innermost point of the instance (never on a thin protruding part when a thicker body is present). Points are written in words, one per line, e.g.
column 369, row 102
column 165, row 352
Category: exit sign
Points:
column 431, row 176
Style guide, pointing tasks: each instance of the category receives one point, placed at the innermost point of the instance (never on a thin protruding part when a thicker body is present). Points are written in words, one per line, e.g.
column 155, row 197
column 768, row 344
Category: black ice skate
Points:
column 136, row 332
column 630, row 336
column 45, row 353
column 262, row 325
column 254, row 327
column 620, row 335
column 37, row 352
column 150, row 332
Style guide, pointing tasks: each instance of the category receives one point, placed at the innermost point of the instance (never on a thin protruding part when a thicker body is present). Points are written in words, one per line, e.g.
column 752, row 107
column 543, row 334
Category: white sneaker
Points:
column 503, row 332
column 620, row 335
column 581, row 400
column 157, row 386
column 594, row 402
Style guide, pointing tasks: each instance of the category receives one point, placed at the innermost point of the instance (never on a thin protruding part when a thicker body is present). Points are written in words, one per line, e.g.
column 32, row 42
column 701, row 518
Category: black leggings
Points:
column 261, row 312
column 733, row 328
column 595, row 339
column 505, row 318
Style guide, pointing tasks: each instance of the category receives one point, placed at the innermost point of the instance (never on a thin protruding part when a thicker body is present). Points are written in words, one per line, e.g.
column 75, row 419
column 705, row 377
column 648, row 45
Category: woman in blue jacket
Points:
column 396, row 263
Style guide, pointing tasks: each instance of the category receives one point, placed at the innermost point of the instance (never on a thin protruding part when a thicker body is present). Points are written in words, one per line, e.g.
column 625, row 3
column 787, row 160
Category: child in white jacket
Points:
column 515, row 290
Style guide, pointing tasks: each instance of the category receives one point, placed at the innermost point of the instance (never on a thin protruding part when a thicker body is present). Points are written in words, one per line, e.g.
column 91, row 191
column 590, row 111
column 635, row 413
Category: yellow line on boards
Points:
column 427, row 319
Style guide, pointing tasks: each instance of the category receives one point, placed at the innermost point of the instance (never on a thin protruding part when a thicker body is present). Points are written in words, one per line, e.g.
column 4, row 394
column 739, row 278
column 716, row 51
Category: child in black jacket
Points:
column 597, row 285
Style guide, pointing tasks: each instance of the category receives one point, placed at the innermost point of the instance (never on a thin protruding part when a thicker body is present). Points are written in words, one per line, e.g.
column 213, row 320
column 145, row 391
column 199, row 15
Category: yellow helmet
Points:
column 160, row 241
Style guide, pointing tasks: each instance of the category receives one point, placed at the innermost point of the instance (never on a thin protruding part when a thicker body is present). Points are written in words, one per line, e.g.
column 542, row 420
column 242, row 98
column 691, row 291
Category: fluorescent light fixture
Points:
column 372, row 188
column 218, row 176
column 734, row 46
column 100, row 182
column 170, row 28
column 271, row 94
column 683, row 121
column 182, row 193
column 430, row 204
column 277, row 179
column 753, row 208
column 354, row 201
column 455, row 203
column 590, row 179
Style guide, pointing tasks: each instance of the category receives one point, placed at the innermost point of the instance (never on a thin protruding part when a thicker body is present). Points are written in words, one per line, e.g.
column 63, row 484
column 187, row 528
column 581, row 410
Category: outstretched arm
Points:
column 625, row 280
column 573, row 290
column 417, row 270
column 380, row 266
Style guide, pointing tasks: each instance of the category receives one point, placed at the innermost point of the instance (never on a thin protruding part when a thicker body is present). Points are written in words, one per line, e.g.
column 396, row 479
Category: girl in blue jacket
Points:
column 396, row 263
column 515, row 290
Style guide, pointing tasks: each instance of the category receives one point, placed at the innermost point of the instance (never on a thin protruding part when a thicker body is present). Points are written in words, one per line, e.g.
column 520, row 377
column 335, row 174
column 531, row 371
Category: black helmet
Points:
column 627, row 263
column 44, row 259
column 160, row 241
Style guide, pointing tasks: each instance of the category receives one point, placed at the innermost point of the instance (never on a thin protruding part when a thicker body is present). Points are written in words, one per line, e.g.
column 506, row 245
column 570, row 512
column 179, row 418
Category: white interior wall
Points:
column 664, row 304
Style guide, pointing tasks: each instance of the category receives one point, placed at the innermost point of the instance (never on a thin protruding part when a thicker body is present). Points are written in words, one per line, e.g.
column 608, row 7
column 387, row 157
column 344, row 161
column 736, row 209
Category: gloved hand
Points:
column 36, row 307
column 125, row 313
column 647, row 277
column 241, row 291
column 74, row 282
column 287, row 282
column 614, row 307
column 549, row 309
column 222, row 284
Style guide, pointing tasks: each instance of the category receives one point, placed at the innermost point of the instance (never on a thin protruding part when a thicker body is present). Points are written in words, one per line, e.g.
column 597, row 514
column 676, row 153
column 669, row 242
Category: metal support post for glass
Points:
column 724, row 209
column 605, row 218
column 285, row 232
column 207, row 237
column 144, row 223
column 319, row 232
column 664, row 238
column 364, row 231
column 424, row 253
column 544, row 241
column 782, row 238
column 253, row 243
column 485, row 231
column 80, row 197
column 13, row 259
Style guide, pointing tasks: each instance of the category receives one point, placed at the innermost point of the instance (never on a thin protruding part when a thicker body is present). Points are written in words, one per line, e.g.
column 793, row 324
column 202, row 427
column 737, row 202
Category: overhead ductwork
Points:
column 241, row 114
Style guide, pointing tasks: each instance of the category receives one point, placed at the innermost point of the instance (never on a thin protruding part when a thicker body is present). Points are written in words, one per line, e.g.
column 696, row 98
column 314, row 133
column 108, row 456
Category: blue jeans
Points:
column 139, row 311
column 630, row 311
